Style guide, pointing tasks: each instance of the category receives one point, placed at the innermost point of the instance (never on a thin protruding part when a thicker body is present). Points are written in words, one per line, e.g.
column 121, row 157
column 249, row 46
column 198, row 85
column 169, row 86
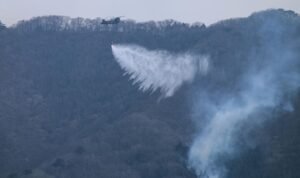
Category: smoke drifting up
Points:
column 219, row 135
column 159, row 70
column 268, row 82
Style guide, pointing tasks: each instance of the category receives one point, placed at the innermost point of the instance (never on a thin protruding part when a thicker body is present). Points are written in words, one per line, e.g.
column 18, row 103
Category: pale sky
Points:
column 206, row 11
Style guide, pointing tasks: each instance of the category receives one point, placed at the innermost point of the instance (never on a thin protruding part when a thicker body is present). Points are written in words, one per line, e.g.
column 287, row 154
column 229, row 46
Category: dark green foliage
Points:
column 58, row 163
column 79, row 150
column 13, row 175
column 27, row 172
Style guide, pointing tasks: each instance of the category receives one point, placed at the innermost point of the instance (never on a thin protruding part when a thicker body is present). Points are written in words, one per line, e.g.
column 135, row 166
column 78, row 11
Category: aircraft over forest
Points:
column 115, row 20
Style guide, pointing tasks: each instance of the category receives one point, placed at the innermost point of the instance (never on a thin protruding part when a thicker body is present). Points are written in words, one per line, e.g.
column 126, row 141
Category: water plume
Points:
column 159, row 70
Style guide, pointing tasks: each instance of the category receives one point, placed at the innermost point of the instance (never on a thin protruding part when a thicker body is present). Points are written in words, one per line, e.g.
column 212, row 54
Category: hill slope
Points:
column 67, row 110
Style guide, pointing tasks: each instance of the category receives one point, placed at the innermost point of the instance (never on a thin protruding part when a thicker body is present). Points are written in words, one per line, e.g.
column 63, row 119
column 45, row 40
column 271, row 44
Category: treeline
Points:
column 63, row 23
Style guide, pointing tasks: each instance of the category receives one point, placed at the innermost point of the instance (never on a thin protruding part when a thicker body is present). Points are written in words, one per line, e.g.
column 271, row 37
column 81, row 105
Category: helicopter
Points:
column 115, row 20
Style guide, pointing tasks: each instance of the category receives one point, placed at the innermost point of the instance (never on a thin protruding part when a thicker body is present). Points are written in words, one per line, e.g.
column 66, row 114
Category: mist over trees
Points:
column 2, row 26
column 67, row 110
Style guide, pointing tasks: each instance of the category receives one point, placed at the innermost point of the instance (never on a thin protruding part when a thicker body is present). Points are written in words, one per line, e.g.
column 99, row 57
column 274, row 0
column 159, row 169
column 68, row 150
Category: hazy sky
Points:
column 207, row 11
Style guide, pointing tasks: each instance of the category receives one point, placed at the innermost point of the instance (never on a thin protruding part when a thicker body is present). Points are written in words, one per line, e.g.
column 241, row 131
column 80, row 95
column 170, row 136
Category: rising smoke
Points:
column 159, row 70
column 271, row 75
column 219, row 135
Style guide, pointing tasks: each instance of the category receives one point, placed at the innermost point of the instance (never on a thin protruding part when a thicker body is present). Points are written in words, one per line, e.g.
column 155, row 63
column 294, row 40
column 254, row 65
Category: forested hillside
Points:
column 68, row 111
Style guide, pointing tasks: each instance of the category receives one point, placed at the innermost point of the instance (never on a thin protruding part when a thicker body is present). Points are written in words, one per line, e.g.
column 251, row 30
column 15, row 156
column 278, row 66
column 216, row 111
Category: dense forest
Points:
column 68, row 111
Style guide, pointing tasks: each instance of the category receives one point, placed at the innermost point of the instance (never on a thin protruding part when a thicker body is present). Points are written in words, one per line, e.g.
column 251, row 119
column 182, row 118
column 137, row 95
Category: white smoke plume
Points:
column 159, row 70
column 219, row 135
column 261, row 89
